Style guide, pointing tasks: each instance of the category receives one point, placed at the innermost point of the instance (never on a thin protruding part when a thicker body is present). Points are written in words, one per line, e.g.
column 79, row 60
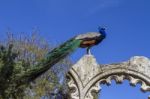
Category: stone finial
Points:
column 86, row 68
column 141, row 64
column 82, row 72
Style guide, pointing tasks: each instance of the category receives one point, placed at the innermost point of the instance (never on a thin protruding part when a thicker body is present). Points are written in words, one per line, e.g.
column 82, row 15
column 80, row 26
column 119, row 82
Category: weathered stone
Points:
column 84, row 67
column 86, row 75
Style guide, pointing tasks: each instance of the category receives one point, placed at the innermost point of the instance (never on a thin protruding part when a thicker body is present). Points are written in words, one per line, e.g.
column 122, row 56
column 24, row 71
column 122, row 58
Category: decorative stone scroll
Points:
column 86, row 75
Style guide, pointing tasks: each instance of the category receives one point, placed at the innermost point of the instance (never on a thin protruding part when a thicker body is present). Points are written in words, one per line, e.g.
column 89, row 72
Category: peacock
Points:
column 86, row 40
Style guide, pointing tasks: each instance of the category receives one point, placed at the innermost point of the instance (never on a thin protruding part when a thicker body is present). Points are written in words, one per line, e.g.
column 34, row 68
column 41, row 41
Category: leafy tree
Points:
column 19, row 55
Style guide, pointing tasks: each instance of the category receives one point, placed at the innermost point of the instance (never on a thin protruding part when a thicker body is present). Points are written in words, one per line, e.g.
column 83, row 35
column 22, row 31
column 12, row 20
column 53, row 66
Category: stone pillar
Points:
column 86, row 75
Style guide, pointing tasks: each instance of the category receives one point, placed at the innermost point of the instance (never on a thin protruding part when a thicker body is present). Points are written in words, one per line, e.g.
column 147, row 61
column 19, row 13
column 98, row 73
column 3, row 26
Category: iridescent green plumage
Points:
column 51, row 59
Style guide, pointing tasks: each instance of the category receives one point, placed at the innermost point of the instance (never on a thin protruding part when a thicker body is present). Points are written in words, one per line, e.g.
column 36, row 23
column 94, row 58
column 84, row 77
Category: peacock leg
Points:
column 88, row 51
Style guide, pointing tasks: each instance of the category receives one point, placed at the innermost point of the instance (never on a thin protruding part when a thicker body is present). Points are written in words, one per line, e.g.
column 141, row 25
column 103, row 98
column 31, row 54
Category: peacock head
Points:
column 102, row 30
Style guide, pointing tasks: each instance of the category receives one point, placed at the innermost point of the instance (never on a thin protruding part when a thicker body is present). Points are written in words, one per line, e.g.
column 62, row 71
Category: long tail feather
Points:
column 51, row 59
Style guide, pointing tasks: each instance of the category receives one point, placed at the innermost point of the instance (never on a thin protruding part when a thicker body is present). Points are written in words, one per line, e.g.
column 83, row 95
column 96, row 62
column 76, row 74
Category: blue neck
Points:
column 102, row 32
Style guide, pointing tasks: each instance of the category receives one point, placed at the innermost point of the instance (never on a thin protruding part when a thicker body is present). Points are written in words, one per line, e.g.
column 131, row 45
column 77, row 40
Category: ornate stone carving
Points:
column 86, row 75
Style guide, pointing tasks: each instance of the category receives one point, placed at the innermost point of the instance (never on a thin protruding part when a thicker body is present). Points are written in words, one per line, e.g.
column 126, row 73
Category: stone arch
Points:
column 86, row 75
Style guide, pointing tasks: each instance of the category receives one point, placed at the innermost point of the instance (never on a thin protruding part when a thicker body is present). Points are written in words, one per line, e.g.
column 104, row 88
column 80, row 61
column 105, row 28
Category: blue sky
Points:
column 127, row 22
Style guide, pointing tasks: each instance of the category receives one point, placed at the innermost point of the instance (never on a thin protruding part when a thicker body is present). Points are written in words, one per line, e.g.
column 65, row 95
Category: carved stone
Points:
column 86, row 75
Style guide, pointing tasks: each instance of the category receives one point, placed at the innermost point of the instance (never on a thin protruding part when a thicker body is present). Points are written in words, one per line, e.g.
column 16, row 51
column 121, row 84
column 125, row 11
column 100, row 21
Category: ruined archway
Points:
column 86, row 75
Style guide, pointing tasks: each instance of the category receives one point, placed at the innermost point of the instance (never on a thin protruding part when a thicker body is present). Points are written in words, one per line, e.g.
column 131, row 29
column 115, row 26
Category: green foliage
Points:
column 8, row 73
column 19, row 57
